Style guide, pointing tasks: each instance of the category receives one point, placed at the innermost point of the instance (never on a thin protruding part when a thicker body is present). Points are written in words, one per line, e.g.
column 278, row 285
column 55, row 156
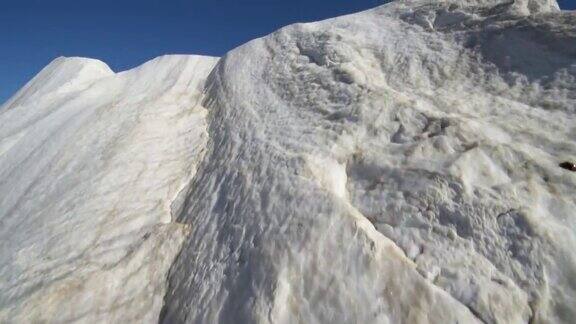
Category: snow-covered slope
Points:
column 90, row 163
column 398, row 165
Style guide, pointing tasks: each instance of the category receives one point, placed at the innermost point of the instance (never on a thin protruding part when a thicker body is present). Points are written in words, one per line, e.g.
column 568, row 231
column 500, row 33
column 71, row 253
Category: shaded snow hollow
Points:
column 398, row 165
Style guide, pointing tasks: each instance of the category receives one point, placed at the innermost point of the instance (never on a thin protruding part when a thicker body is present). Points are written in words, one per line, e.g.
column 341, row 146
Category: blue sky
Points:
column 126, row 33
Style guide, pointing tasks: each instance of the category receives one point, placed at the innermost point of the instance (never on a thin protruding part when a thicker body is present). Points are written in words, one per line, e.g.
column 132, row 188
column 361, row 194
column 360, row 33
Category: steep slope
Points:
column 90, row 163
column 398, row 165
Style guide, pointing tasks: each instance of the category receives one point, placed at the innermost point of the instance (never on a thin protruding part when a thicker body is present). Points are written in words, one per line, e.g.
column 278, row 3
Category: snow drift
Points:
column 398, row 165
column 90, row 165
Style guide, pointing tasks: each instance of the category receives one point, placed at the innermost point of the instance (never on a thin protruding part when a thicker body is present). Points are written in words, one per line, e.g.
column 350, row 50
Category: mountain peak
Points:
column 59, row 75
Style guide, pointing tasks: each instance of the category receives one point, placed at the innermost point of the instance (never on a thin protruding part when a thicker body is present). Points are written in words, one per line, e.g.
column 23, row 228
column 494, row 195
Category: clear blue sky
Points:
column 126, row 33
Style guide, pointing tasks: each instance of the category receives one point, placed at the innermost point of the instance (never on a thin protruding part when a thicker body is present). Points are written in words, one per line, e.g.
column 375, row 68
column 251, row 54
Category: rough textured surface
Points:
column 399, row 165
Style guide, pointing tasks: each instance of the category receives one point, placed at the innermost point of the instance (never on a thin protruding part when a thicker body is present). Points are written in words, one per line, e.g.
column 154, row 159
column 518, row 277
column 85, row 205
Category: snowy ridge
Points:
column 88, row 171
column 398, row 165
column 61, row 75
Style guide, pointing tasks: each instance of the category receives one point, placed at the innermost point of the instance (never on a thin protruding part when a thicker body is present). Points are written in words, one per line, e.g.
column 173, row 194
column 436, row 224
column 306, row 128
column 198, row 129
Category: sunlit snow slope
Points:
column 398, row 165
column 90, row 163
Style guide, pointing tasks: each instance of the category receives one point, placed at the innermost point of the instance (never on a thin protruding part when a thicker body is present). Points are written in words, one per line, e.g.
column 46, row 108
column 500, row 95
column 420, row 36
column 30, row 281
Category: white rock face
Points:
column 398, row 165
